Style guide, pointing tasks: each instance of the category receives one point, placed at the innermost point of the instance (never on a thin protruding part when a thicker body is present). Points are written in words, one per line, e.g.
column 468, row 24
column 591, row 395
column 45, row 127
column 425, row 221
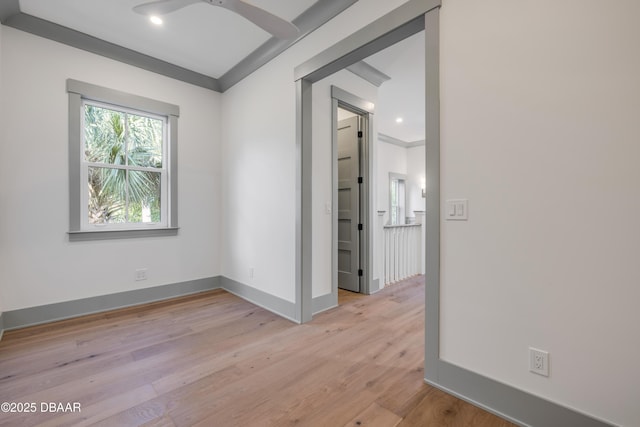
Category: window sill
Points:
column 81, row 236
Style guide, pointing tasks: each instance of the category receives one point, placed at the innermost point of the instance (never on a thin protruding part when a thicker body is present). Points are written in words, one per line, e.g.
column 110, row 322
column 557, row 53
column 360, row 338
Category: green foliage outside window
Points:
column 125, row 156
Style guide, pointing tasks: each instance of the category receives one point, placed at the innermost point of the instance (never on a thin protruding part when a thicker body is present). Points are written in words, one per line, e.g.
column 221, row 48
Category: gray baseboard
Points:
column 262, row 299
column 324, row 303
column 507, row 402
column 64, row 310
column 31, row 316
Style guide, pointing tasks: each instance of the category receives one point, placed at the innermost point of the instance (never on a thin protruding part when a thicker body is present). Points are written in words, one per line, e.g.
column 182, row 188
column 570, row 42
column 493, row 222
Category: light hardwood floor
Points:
column 216, row 360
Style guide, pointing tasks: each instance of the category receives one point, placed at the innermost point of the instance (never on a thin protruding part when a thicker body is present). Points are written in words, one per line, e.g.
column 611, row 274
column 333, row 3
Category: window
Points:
column 123, row 165
column 396, row 199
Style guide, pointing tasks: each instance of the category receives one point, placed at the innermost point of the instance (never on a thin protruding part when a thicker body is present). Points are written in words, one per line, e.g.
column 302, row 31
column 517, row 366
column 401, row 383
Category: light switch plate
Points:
column 457, row 210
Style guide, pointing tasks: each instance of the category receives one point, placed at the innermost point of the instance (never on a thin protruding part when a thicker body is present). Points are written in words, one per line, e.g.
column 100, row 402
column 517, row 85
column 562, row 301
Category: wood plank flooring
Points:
column 216, row 360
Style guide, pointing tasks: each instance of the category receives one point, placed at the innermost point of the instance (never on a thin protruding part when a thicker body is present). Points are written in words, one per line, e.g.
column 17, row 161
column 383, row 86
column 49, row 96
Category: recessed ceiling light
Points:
column 399, row 120
column 155, row 19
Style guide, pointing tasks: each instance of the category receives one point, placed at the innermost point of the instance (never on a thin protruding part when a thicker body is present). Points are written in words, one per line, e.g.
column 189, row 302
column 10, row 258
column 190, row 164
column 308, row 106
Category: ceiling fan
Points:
column 273, row 24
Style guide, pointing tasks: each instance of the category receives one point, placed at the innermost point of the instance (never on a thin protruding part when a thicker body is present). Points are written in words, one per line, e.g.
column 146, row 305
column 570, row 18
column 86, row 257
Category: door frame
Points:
column 365, row 110
column 400, row 23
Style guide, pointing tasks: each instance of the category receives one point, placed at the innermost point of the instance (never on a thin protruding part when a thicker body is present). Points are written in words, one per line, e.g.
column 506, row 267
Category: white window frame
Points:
column 397, row 210
column 81, row 93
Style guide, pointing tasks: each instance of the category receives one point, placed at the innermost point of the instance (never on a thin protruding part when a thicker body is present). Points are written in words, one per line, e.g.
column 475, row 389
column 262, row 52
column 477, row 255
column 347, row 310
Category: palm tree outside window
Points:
column 124, row 165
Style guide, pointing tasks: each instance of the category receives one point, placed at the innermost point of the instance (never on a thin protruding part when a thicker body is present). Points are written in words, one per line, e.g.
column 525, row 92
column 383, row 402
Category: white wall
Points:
column 259, row 151
column 259, row 182
column 540, row 103
column 40, row 266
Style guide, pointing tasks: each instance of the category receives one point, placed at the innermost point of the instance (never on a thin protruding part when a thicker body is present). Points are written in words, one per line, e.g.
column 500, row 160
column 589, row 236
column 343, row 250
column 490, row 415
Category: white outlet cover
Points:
column 456, row 210
column 539, row 361
column 141, row 274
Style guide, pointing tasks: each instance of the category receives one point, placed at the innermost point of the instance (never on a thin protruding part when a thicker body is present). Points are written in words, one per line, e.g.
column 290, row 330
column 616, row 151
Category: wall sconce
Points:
column 424, row 194
column 423, row 184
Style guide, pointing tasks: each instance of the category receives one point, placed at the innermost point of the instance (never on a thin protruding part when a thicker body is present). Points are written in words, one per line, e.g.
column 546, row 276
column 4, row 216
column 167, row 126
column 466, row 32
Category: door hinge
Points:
column 359, row 134
column 359, row 227
column 359, row 180
column 360, row 272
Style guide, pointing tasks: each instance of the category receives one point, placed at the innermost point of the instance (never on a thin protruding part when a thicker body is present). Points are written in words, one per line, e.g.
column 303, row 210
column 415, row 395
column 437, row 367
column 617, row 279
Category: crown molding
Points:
column 400, row 143
column 308, row 21
column 8, row 8
column 52, row 31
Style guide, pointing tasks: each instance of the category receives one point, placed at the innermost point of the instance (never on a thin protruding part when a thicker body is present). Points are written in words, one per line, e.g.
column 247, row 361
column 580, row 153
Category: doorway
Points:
column 408, row 19
column 349, row 225
column 352, row 230
column 350, row 150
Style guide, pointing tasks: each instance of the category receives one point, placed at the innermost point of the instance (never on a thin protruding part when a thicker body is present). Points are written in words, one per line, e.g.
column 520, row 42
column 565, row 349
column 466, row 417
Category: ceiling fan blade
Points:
column 273, row 24
column 162, row 7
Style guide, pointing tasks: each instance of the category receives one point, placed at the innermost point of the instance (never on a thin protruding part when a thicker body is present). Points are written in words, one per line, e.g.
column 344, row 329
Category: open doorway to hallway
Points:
column 315, row 78
column 393, row 190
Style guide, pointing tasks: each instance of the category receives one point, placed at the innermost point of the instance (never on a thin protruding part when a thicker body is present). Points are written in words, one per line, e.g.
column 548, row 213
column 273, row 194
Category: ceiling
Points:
column 215, row 48
column 202, row 38
column 200, row 44
column 402, row 96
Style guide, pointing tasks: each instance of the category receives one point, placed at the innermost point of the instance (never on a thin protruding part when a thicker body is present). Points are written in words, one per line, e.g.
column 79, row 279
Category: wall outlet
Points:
column 141, row 274
column 539, row 361
column 250, row 272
